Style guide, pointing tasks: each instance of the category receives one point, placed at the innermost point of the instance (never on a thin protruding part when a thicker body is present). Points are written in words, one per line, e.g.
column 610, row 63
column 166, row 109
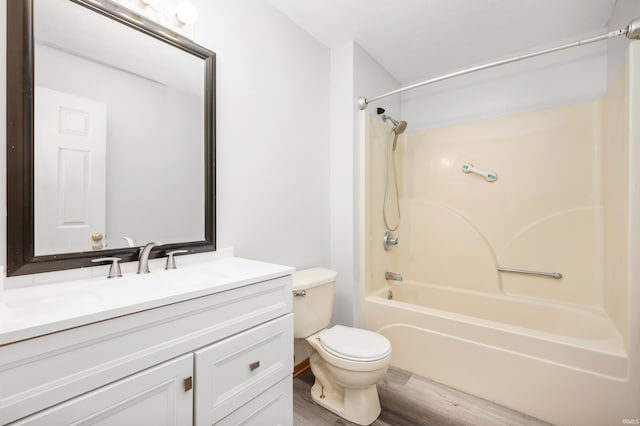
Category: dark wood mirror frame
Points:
column 21, row 257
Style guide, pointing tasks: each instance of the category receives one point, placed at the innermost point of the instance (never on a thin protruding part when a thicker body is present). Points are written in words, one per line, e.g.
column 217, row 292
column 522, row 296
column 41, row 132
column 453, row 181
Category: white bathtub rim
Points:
column 614, row 337
column 613, row 346
column 621, row 379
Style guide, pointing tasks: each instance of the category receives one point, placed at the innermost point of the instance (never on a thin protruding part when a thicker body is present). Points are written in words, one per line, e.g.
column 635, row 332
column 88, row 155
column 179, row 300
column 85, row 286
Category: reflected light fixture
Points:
column 186, row 13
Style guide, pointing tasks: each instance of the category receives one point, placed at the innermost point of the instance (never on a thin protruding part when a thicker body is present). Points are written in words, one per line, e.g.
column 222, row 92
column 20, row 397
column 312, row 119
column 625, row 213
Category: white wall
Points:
column 342, row 184
column 272, row 132
column 371, row 79
column 353, row 73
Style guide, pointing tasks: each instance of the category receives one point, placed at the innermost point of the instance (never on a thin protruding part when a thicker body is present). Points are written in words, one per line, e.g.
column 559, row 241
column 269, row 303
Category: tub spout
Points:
column 392, row 276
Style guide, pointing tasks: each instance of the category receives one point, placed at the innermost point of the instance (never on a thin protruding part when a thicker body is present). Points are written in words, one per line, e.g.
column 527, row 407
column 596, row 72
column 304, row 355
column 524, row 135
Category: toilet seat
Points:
column 355, row 344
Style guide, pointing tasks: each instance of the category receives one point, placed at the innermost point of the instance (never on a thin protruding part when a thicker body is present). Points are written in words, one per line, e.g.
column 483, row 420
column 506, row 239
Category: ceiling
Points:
column 417, row 39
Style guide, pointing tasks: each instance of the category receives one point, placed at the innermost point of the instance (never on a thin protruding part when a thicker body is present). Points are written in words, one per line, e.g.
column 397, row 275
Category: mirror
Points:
column 110, row 136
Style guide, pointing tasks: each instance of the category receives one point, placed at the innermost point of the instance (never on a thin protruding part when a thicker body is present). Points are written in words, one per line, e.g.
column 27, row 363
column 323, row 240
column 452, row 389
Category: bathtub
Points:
column 560, row 363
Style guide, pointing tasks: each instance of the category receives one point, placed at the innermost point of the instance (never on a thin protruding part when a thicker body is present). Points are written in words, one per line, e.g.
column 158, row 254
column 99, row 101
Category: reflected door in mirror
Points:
column 70, row 187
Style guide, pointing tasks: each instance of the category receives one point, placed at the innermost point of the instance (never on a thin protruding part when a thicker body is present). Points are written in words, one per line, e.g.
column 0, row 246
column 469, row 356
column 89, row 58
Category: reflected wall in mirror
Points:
column 115, row 148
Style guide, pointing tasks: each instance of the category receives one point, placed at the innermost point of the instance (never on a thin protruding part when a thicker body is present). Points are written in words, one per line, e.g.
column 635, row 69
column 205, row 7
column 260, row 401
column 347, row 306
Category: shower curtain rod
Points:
column 632, row 31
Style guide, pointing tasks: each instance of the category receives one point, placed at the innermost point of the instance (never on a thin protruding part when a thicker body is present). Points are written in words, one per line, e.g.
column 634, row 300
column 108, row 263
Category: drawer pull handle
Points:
column 254, row 365
column 188, row 384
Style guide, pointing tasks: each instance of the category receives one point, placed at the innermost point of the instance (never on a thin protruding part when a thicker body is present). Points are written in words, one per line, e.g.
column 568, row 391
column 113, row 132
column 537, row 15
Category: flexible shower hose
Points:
column 391, row 163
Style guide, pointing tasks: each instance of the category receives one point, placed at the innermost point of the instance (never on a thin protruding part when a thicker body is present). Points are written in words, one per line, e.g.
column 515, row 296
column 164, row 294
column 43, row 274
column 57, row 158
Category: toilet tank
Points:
column 313, row 291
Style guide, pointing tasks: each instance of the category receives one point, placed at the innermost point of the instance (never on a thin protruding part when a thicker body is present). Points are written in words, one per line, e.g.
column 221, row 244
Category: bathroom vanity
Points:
column 211, row 342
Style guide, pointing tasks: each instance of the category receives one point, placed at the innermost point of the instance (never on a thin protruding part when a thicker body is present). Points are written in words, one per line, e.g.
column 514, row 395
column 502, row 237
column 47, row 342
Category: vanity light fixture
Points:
column 186, row 13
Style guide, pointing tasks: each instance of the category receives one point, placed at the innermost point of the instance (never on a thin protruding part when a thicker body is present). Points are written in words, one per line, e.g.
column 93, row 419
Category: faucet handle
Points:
column 114, row 268
column 171, row 262
column 389, row 241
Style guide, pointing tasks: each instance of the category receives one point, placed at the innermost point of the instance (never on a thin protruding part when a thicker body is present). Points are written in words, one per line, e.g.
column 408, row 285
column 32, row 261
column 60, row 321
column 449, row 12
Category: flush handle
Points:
column 254, row 365
column 300, row 293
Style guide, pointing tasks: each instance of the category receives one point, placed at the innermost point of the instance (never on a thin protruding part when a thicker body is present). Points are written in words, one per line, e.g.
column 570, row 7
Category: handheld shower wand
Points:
column 398, row 128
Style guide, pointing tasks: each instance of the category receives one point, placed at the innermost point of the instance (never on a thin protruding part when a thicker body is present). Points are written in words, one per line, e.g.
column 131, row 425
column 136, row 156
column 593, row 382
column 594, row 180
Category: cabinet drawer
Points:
column 273, row 407
column 233, row 371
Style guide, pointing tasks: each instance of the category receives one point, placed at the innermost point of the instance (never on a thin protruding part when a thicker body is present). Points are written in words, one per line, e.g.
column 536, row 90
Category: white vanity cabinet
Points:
column 221, row 358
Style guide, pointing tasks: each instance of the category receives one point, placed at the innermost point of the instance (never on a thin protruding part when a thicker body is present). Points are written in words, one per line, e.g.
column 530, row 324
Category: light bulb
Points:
column 186, row 13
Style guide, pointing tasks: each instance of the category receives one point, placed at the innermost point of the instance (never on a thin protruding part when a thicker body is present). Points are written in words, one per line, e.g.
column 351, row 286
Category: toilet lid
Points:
column 355, row 344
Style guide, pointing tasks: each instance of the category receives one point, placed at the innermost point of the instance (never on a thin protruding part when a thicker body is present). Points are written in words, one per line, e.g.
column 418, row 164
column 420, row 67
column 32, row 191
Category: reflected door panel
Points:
column 70, row 180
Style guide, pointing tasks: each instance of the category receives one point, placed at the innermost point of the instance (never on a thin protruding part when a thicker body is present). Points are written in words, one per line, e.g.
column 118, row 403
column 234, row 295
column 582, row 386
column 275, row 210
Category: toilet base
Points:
column 360, row 406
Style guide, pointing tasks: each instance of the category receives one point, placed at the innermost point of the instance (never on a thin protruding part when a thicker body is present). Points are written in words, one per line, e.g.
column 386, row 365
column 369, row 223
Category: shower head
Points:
column 398, row 126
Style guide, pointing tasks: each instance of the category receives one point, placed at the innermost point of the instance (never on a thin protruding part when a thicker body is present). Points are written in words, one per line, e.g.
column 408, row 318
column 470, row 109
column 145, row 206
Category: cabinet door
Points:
column 153, row 397
column 234, row 371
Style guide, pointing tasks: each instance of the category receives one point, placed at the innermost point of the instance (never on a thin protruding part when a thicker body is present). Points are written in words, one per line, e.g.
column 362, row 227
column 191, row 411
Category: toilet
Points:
column 346, row 362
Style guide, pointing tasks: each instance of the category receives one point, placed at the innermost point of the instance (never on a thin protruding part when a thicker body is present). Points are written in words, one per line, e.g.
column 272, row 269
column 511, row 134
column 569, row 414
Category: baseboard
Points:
column 301, row 368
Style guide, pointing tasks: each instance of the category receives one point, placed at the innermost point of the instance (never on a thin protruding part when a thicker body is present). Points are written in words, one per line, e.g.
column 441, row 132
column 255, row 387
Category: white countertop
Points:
column 41, row 309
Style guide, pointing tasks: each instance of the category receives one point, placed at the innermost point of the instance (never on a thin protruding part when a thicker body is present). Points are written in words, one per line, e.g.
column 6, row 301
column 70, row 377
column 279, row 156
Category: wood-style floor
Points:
column 406, row 400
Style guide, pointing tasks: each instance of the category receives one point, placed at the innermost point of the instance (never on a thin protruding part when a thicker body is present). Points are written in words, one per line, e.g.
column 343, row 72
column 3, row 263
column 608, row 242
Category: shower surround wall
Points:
column 541, row 214
column 560, row 350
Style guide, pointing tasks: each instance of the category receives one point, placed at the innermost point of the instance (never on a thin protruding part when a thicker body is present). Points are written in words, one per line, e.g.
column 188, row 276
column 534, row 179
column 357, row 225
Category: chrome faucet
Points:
column 143, row 260
column 392, row 276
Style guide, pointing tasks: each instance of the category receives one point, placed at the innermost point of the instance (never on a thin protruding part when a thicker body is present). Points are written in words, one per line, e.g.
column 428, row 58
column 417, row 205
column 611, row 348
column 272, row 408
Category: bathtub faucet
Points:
column 392, row 276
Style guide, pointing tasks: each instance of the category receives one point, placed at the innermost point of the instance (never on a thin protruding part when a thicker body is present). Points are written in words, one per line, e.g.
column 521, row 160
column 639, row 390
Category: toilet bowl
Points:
column 347, row 371
column 346, row 362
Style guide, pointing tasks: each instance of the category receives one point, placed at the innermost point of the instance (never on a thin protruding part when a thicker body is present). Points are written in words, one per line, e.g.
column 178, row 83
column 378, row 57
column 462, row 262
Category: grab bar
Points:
column 556, row 275
column 488, row 175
